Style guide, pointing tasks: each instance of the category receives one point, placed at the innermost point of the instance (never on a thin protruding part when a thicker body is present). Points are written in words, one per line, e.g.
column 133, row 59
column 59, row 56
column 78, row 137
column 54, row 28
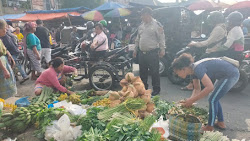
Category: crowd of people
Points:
column 226, row 39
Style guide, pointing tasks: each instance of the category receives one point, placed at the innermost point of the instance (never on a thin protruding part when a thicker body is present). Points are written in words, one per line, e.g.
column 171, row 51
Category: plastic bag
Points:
column 161, row 125
column 22, row 102
column 62, row 131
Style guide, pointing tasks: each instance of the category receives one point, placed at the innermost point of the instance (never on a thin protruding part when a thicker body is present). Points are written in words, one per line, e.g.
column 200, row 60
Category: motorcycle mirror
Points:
column 203, row 36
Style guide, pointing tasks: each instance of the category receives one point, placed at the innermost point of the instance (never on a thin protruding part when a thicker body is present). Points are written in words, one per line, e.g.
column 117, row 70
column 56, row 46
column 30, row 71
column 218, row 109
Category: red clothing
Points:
column 49, row 78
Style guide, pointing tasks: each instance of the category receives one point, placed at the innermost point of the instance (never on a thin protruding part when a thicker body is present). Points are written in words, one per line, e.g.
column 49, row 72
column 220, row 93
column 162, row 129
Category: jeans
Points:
column 19, row 66
column 221, row 88
column 150, row 61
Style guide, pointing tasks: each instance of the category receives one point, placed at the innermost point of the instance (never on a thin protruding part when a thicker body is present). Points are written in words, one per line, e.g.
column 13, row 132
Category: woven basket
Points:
column 184, row 128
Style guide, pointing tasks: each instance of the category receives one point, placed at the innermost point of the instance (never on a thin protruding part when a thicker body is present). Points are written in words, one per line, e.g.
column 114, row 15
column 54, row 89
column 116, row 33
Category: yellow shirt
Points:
column 19, row 36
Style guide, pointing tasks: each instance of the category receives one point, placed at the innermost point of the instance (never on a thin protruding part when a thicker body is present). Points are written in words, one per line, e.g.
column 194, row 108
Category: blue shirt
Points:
column 215, row 68
column 32, row 40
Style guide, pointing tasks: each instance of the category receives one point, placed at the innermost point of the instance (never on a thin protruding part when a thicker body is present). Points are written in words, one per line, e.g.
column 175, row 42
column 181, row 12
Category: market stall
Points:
column 128, row 114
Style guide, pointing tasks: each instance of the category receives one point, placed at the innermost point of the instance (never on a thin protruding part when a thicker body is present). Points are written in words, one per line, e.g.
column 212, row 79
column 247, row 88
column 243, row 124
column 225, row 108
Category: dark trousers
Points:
column 150, row 61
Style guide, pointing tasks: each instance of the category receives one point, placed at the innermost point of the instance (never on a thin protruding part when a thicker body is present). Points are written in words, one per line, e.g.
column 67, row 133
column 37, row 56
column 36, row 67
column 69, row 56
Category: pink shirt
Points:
column 100, row 38
column 49, row 78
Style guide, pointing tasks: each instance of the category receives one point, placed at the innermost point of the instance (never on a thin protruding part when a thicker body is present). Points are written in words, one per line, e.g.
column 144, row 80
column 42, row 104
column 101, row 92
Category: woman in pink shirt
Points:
column 53, row 75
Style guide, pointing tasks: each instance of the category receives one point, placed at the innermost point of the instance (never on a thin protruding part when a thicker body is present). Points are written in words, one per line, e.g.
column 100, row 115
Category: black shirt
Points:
column 43, row 34
column 9, row 43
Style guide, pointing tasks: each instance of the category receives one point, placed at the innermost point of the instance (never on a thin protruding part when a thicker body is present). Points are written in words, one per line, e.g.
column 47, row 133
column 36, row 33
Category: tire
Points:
column 27, row 66
column 163, row 66
column 98, row 87
column 246, row 67
column 174, row 78
column 242, row 82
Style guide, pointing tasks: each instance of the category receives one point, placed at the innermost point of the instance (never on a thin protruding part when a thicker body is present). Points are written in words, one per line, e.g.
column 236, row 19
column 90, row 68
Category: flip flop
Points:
column 218, row 127
column 186, row 89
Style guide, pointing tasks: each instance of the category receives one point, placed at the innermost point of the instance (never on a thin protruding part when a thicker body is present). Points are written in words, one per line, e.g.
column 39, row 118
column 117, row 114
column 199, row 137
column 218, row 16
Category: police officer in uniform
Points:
column 150, row 45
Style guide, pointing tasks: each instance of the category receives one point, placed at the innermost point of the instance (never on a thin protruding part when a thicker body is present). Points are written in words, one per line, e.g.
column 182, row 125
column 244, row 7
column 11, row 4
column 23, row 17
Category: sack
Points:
column 231, row 61
column 184, row 128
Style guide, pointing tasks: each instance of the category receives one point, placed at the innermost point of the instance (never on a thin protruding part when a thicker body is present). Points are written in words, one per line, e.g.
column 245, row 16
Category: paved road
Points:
column 236, row 107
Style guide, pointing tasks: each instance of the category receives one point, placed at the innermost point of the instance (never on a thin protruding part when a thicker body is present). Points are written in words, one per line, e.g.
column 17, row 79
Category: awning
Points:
column 77, row 9
column 12, row 16
column 45, row 16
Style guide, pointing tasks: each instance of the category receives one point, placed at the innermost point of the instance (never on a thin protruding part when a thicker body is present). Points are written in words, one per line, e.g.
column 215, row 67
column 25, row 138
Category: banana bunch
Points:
column 74, row 98
column 17, row 121
column 36, row 108
column 62, row 97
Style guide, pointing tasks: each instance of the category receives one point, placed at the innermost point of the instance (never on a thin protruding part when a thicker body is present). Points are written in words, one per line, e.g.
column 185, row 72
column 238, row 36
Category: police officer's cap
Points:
column 146, row 10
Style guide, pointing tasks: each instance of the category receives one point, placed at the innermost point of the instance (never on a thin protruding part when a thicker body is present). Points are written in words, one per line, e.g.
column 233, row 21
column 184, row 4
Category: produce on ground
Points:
column 74, row 98
column 104, row 102
column 130, row 105
column 133, row 87
column 213, row 136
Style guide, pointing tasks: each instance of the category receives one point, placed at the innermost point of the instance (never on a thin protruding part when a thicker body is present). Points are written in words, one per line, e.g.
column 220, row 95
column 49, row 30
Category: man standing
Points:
column 43, row 34
column 150, row 45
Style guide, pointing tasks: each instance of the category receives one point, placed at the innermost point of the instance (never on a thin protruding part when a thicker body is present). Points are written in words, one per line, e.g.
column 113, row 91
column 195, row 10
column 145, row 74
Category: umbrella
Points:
column 203, row 5
column 240, row 5
column 92, row 15
column 118, row 12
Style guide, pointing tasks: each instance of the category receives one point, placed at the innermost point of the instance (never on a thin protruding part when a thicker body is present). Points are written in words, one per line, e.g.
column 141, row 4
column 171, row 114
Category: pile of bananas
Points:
column 36, row 108
column 62, row 97
column 74, row 98
column 104, row 102
column 20, row 119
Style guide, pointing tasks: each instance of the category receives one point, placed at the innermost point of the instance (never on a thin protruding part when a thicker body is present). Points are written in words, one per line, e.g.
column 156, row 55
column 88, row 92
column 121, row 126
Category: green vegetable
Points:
column 147, row 123
column 131, row 104
column 92, row 135
column 91, row 120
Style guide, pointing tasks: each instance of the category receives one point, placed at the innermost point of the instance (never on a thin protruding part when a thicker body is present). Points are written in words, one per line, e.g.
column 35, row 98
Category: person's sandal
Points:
column 23, row 80
column 218, row 127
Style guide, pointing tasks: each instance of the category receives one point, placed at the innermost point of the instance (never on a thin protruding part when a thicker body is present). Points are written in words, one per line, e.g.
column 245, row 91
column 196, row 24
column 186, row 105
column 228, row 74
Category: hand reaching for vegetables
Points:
column 187, row 103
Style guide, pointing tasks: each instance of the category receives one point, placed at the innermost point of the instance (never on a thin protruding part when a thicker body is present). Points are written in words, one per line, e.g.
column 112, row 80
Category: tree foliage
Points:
column 77, row 3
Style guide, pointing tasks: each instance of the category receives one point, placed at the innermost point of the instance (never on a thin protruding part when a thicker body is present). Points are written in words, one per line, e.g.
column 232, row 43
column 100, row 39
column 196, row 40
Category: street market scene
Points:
column 124, row 70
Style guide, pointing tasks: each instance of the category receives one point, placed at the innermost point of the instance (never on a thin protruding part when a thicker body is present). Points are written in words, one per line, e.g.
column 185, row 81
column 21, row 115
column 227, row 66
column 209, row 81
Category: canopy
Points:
column 12, row 16
column 110, row 6
column 144, row 2
column 45, row 16
column 77, row 9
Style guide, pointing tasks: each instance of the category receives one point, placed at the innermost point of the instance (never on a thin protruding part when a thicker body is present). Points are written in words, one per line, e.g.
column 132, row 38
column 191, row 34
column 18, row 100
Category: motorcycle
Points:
column 102, row 71
column 197, row 53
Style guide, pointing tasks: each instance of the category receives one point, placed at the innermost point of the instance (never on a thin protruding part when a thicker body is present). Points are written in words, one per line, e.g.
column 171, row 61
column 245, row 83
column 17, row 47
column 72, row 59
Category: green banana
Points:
column 6, row 115
column 7, row 119
column 2, row 125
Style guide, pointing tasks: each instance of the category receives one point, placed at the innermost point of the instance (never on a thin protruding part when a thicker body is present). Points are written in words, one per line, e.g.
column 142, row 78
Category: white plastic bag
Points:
column 77, row 110
column 163, row 124
column 62, row 131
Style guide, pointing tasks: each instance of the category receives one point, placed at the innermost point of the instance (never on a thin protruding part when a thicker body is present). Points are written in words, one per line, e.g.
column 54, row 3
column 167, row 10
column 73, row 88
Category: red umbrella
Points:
column 240, row 5
column 203, row 5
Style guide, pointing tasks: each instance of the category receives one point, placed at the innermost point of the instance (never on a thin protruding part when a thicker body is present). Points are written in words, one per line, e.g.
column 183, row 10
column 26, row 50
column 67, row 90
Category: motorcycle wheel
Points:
column 101, row 78
column 27, row 66
column 246, row 67
column 242, row 82
column 163, row 66
column 175, row 79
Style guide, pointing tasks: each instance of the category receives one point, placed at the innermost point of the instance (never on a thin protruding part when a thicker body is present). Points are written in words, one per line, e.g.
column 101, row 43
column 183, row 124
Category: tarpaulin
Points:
column 45, row 16
column 111, row 6
column 59, row 10
column 12, row 16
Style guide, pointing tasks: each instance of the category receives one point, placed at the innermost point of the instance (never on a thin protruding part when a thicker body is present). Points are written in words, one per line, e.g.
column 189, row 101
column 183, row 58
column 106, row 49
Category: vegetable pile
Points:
column 133, row 87
column 124, row 115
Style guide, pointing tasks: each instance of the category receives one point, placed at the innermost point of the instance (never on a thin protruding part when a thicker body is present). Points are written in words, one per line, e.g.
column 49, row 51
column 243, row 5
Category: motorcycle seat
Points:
column 111, row 52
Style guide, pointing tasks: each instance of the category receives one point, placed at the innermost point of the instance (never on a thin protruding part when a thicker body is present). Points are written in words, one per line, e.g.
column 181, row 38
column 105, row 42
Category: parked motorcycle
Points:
column 197, row 53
